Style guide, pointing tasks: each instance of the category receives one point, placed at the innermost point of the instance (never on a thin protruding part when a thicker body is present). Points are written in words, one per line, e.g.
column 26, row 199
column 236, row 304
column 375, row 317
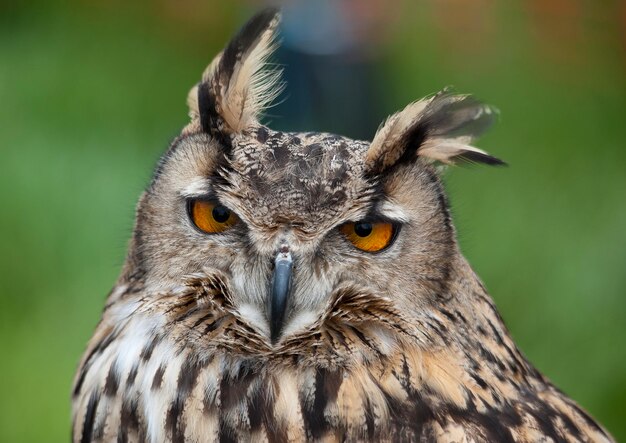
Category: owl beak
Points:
column 281, row 286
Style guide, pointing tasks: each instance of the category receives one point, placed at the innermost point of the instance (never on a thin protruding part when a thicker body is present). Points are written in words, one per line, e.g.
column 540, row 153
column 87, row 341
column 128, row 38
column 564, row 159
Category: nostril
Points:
column 283, row 249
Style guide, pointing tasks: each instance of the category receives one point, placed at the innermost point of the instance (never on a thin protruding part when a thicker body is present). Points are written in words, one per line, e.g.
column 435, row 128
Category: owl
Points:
column 308, row 287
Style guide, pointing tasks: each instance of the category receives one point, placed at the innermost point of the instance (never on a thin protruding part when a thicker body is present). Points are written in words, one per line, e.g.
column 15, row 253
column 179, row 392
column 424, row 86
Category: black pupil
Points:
column 363, row 229
column 220, row 214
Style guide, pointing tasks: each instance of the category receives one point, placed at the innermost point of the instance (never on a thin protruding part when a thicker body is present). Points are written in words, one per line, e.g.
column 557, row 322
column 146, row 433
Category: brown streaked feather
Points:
column 366, row 389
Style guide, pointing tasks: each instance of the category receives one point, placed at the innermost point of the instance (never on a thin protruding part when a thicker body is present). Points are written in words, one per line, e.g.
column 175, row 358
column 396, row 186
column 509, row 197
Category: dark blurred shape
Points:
column 329, row 63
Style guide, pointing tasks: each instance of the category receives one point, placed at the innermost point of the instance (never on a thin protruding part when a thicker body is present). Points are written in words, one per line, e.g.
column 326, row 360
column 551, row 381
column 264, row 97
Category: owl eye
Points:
column 210, row 216
column 369, row 236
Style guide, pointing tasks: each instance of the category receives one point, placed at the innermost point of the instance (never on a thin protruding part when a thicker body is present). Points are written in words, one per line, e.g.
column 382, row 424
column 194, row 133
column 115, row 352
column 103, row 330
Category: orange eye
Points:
column 369, row 236
column 210, row 216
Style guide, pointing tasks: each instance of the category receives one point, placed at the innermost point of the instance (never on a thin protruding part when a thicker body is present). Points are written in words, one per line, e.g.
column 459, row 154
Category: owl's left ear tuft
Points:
column 237, row 86
column 440, row 128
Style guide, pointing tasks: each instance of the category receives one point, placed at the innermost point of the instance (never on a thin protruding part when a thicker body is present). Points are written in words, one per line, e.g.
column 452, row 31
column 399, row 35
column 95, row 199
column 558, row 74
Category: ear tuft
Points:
column 440, row 128
column 237, row 86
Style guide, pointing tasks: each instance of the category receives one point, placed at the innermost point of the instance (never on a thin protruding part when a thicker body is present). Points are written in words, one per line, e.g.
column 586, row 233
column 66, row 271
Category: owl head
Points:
column 297, row 229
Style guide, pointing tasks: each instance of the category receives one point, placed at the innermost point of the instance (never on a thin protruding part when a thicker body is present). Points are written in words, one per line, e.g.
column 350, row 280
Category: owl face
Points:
column 289, row 219
column 303, row 194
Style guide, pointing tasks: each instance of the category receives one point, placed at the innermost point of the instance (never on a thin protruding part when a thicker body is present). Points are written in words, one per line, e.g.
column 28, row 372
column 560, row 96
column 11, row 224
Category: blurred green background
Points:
column 92, row 92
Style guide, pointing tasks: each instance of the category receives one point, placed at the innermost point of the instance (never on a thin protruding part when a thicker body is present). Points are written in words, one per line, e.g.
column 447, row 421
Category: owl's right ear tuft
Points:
column 237, row 86
column 440, row 128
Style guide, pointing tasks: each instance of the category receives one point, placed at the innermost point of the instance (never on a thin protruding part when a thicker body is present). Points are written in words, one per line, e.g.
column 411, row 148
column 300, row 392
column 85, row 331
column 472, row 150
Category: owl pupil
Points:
column 363, row 229
column 220, row 214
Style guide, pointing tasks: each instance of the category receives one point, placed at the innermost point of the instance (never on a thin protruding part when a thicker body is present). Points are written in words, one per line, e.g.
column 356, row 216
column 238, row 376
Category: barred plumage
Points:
column 401, row 344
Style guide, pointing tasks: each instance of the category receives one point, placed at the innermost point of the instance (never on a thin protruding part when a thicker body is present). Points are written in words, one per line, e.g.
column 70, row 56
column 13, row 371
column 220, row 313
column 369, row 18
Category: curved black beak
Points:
column 281, row 286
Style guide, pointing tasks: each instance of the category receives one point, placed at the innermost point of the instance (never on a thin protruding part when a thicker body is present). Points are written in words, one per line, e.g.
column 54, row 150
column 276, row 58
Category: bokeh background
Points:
column 91, row 93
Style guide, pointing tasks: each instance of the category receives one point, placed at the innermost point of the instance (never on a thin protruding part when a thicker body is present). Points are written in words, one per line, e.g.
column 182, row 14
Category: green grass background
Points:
column 91, row 93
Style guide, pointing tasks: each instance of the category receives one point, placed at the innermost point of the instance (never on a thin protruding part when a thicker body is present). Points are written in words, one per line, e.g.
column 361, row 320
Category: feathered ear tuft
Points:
column 237, row 86
column 440, row 128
